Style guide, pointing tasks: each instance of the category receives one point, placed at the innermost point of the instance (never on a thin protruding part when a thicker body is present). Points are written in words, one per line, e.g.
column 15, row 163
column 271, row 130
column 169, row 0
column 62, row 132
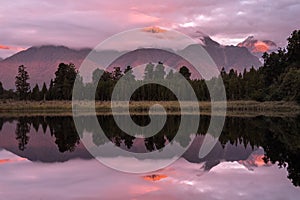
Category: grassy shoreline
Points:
column 234, row 108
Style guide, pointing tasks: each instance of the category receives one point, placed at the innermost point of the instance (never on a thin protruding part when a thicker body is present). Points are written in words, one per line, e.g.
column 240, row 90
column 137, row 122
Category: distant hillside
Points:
column 42, row 62
column 142, row 56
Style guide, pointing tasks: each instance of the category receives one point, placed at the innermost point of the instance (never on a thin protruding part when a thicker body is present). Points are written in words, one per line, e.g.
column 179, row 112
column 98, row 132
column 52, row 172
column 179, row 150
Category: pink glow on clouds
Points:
column 8, row 50
column 140, row 18
column 4, row 47
column 76, row 23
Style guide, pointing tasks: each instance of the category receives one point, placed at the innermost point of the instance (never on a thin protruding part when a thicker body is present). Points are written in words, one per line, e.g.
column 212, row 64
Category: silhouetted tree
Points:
column 64, row 80
column 22, row 85
column 97, row 73
column 149, row 71
column 35, row 94
column 117, row 73
column 293, row 47
column 185, row 72
column 170, row 75
column 44, row 92
column 129, row 73
column 159, row 72
column 50, row 93
column 1, row 90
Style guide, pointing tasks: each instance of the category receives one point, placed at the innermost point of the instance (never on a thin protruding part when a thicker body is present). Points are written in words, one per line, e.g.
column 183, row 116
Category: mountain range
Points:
column 42, row 61
column 258, row 47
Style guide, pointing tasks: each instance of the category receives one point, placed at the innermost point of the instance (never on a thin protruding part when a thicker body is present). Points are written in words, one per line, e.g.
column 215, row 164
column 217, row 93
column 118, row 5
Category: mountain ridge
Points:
column 258, row 47
column 42, row 61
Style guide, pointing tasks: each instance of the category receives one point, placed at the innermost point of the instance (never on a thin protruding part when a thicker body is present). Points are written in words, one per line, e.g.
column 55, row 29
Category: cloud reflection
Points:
column 88, row 179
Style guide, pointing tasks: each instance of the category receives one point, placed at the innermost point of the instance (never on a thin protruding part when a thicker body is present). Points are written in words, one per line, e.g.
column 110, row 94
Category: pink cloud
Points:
column 87, row 23
column 140, row 18
column 4, row 47
column 11, row 48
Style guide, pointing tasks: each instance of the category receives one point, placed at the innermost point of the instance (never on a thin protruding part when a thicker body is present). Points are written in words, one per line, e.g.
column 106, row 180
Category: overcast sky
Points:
column 77, row 23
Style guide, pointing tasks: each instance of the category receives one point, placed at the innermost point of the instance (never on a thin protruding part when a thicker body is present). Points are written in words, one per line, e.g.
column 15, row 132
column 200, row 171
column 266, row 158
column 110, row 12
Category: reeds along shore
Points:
column 142, row 107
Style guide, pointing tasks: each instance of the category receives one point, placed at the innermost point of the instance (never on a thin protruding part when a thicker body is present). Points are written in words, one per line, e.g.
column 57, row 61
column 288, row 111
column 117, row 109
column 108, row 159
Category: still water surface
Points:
column 42, row 157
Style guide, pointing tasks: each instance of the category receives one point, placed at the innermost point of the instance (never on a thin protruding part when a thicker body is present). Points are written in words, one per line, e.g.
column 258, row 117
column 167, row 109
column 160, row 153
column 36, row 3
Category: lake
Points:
column 43, row 157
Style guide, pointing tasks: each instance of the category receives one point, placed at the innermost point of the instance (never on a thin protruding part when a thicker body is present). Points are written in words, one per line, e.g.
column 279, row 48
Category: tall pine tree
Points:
column 22, row 85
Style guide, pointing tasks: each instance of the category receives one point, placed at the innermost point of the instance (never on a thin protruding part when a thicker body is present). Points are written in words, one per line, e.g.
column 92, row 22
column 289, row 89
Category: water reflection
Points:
column 22, row 128
column 33, row 138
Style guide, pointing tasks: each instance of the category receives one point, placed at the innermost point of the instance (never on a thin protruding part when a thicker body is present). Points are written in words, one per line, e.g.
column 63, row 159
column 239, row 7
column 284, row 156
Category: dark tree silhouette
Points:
column 149, row 72
column 129, row 73
column 159, row 72
column 22, row 85
column 293, row 48
column 97, row 73
column 1, row 90
column 64, row 80
column 117, row 73
column 35, row 94
column 185, row 72
column 44, row 92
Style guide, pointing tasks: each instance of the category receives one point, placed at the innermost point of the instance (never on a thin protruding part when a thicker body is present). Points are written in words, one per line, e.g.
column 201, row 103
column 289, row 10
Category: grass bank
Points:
column 238, row 108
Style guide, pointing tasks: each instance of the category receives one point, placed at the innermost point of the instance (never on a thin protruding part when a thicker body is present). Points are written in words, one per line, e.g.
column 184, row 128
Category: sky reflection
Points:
column 88, row 179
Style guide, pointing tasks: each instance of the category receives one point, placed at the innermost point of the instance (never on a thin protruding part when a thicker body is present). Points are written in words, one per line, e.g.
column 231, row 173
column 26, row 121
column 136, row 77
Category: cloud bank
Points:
column 76, row 23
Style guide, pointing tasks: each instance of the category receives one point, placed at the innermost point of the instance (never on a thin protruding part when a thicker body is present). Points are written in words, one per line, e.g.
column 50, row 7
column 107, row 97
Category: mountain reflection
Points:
column 279, row 137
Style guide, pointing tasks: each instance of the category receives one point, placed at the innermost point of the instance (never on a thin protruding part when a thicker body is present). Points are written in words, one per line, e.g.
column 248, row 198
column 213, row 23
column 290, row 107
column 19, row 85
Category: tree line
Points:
column 278, row 79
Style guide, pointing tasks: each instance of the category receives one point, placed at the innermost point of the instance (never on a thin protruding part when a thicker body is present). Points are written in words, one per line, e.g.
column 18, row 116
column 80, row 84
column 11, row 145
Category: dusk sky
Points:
column 78, row 24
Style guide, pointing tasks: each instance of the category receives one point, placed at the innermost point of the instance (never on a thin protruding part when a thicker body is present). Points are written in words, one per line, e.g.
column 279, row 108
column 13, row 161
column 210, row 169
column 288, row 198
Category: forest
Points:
column 277, row 80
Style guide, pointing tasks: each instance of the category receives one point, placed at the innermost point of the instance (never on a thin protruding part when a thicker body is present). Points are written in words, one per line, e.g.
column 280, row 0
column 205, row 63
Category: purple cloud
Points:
column 86, row 23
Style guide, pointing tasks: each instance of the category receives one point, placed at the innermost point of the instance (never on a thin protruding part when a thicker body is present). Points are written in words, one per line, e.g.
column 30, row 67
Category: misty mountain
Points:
column 230, row 57
column 237, row 57
column 42, row 61
column 258, row 47
column 146, row 55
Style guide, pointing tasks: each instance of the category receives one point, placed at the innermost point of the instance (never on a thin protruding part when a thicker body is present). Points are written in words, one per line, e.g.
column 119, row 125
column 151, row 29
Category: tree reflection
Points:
column 118, row 137
column 1, row 123
column 63, row 129
column 22, row 129
column 282, row 145
column 279, row 137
